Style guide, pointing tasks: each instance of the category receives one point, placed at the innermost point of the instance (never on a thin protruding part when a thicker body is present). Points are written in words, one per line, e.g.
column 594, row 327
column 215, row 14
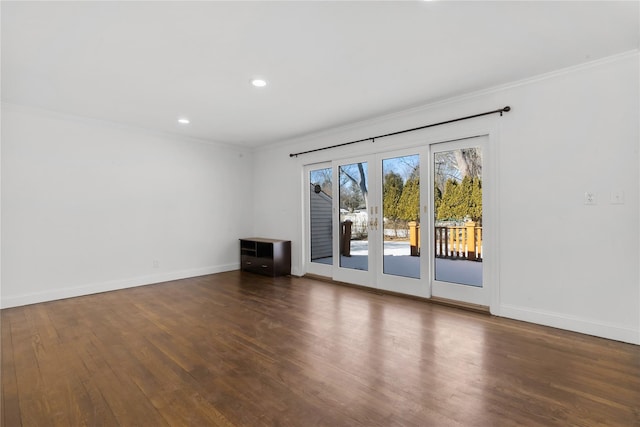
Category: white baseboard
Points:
column 112, row 285
column 572, row 323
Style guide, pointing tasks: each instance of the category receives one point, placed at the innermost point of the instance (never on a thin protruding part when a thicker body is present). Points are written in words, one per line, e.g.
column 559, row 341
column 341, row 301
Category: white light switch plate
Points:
column 617, row 197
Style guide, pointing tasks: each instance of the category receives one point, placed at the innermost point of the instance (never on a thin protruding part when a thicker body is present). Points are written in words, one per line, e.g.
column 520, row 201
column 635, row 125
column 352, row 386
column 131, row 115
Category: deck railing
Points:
column 459, row 242
column 453, row 242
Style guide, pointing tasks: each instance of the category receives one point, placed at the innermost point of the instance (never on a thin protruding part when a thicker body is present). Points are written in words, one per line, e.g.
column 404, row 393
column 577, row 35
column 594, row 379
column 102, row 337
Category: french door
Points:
column 458, row 221
column 407, row 221
column 402, row 259
column 356, row 208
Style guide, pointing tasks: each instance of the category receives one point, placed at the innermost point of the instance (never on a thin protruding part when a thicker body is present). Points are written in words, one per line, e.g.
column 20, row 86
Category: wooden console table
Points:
column 270, row 257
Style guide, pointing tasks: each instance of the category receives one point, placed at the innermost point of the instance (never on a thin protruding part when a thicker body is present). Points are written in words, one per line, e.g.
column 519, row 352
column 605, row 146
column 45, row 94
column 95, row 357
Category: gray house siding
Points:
column 321, row 225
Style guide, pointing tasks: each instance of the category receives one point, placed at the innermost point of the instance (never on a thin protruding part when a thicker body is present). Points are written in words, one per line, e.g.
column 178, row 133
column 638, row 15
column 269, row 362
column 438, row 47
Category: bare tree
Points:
column 469, row 161
column 361, row 183
column 324, row 179
column 456, row 164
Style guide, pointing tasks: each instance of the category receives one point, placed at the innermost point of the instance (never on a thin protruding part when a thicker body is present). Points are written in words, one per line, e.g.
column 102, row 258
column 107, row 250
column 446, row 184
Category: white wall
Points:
column 88, row 206
column 559, row 262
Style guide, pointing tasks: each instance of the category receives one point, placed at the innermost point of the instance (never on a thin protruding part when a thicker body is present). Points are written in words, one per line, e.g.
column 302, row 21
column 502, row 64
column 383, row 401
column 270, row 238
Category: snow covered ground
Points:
column 399, row 262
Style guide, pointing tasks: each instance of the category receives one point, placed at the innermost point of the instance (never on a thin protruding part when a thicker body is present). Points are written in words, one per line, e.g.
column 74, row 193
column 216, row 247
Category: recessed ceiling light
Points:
column 183, row 121
column 259, row 82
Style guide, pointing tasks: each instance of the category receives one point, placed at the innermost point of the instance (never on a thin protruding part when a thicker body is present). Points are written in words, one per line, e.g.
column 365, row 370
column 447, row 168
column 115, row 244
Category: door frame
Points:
column 486, row 126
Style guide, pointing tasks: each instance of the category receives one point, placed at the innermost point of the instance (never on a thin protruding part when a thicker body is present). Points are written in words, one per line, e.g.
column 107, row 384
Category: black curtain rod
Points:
column 373, row 138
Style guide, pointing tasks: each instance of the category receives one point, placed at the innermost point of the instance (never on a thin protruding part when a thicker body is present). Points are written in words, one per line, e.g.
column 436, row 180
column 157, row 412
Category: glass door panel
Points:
column 457, row 230
column 401, row 216
column 458, row 216
column 402, row 253
column 354, row 218
column 321, row 215
column 354, row 243
column 318, row 219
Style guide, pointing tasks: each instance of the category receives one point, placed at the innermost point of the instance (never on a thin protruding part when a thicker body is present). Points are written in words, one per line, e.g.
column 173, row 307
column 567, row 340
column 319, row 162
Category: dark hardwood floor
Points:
column 237, row 349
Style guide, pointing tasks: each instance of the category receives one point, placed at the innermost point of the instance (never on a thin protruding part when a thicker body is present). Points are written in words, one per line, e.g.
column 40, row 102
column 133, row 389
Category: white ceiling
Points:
column 327, row 63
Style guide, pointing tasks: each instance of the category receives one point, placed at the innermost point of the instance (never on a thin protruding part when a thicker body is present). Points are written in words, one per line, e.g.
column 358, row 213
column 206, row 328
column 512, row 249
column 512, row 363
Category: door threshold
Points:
column 459, row 304
column 434, row 300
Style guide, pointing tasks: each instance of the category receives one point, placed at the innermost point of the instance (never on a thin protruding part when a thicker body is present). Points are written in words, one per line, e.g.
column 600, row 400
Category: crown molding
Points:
column 451, row 100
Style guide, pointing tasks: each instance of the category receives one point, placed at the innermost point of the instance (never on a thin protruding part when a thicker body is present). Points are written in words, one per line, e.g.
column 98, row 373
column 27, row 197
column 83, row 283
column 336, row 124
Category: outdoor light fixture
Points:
column 183, row 121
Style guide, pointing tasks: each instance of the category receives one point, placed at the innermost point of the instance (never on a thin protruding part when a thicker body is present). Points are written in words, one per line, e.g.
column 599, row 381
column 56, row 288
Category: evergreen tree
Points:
column 409, row 205
column 437, row 198
column 449, row 201
column 475, row 211
column 461, row 200
column 391, row 192
column 464, row 207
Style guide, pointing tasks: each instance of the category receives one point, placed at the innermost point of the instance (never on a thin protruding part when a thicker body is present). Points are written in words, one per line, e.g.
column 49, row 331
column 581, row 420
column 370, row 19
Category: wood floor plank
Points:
column 236, row 349
column 10, row 408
